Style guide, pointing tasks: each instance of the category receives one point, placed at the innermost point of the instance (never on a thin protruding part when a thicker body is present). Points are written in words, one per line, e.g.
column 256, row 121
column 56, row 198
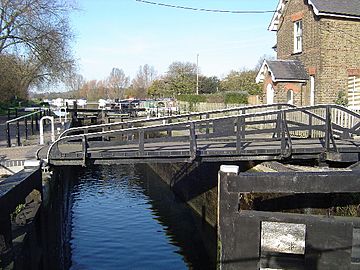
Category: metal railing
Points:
column 30, row 125
column 173, row 119
column 238, row 130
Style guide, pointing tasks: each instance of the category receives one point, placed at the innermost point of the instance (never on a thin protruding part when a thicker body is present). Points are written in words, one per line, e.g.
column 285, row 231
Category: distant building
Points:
column 318, row 53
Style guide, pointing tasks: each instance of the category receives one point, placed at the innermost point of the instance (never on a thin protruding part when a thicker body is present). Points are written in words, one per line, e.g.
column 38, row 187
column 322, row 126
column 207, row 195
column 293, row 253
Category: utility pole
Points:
column 197, row 74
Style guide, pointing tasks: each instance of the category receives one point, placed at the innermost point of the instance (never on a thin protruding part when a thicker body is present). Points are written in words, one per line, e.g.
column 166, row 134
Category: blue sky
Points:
column 126, row 34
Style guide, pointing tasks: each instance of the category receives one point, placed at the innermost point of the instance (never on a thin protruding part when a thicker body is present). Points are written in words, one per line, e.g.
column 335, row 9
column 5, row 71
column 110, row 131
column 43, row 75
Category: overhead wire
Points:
column 205, row 9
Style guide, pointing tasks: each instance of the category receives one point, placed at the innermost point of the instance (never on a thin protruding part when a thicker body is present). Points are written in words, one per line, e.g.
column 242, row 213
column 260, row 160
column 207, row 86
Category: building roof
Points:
column 283, row 71
column 332, row 8
column 342, row 8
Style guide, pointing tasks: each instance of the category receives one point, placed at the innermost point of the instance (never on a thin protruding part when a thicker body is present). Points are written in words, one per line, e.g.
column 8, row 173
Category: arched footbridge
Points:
column 258, row 133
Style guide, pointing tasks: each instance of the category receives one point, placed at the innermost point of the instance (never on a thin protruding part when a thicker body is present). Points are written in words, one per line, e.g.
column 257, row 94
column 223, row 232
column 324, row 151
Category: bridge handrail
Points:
column 248, row 115
column 87, row 128
column 24, row 116
column 283, row 131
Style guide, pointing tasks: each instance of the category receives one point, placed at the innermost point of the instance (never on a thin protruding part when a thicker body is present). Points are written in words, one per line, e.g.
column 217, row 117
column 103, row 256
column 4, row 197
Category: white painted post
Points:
column 63, row 109
column 51, row 118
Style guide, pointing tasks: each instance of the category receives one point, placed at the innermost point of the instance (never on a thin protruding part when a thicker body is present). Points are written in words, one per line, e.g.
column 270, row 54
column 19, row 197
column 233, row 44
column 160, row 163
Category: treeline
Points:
column 180, row 79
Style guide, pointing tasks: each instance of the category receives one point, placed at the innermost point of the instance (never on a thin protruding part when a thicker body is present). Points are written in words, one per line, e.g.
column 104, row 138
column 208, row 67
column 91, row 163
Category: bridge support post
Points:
column 240, row 126
column 327, row 128
column 141, row 142
column 193, row 145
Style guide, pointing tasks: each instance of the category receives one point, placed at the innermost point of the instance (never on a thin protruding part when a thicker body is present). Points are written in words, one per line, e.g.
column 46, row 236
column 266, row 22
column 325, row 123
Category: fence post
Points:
column 8, row 134
column 169, row 132
column 193, row 145
column 310, row 126
column 238, row 133
column 18, row 133
column 26, row 129
column 327, row 128
column 282, row 131
column 32, row 124
column 141, row 142
column 207, row 123
column 278, row 125
column 36, row 122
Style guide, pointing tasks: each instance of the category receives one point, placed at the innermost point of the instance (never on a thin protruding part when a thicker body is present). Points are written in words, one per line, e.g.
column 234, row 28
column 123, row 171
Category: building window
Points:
column 290, row 97
column 354, row 91
column 298, row 34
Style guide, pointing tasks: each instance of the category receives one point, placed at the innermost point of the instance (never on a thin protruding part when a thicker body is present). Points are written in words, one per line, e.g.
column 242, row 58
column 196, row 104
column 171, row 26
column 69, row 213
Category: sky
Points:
column 127, row 34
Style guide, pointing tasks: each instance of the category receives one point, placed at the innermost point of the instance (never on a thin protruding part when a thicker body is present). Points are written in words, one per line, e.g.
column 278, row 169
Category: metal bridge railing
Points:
column 173, row 119
column 238, row 130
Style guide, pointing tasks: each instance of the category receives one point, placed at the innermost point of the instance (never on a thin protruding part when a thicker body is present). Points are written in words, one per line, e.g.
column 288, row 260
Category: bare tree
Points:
column 143, row 80
column 117, row 82
column 75, row 82
column 38, row 32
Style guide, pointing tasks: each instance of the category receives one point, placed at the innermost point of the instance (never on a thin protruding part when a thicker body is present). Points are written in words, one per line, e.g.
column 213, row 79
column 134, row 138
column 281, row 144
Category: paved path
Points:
column 11, row 157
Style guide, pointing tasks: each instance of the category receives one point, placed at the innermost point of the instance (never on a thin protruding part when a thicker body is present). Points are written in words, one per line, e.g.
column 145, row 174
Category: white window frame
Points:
column 354, row 92
column 298, row 36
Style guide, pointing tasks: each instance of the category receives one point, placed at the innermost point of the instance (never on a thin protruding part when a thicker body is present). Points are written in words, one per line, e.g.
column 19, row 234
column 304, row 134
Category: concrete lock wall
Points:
column 196, row 184
column 284, row 236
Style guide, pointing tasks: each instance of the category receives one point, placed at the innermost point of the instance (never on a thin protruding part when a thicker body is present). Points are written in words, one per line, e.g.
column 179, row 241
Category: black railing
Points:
column 238, row 131
column 29, row 122
column 172, row 119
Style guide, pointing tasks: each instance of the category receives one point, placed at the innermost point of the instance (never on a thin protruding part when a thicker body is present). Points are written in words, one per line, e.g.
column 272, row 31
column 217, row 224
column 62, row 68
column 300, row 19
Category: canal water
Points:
column 124, row 217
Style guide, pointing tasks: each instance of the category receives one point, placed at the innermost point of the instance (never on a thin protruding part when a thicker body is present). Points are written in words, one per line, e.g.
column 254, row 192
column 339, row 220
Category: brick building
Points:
column 318, row 53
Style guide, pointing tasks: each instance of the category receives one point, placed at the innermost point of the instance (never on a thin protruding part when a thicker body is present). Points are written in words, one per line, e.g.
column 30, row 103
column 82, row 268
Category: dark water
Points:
column 123, row 217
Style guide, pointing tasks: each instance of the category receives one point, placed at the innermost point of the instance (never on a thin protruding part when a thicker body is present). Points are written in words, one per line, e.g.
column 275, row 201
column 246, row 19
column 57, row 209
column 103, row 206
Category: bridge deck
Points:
column 217, row 150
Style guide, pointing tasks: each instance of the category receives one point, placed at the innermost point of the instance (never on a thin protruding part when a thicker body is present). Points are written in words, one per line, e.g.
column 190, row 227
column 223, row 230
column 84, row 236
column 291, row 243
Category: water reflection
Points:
column 123, row 217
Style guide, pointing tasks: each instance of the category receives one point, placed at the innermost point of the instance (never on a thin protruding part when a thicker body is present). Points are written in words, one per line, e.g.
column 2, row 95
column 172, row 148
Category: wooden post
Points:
column 169, row 132
column 207, row 123
column 75, row 113
column 327, row 128
column 9, row 113
column 18, row 133
column 26, row 129
column 32, row 124
column 282, row 132
column 141, row 142
column 36, row 122
column 278, row 124
column 8, row 134
column 193, row 145
column 238, row 134
column 310, row 126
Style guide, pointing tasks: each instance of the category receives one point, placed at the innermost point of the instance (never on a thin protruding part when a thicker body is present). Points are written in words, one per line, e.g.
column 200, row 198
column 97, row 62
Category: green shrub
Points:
column 192, row 98
column 236, row 98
